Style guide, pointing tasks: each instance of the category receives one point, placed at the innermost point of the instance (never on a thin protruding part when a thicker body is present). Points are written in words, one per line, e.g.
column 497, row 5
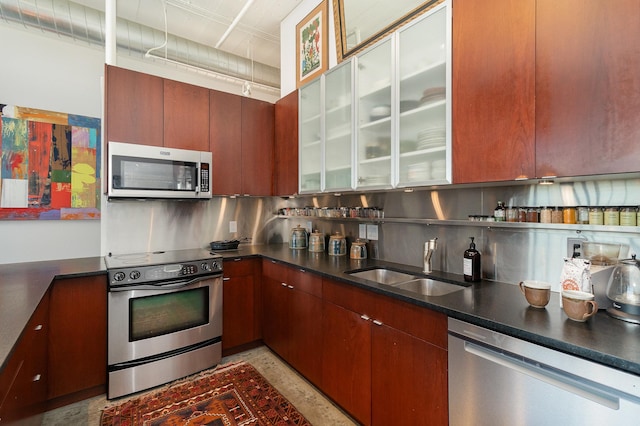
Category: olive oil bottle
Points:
column 472, row 265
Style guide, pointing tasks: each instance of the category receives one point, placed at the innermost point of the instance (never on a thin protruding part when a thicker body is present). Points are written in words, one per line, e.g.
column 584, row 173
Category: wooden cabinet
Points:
column 493, row 106
column 77, row 339
column 241, row 139
column 384, row 361
column 23, row 383
column 133, row 107
column 225, row 142
column 186, row 116
column 587, row 87
column 241, row 304
column 292, row 317
column 257, row 147
column 285, row 167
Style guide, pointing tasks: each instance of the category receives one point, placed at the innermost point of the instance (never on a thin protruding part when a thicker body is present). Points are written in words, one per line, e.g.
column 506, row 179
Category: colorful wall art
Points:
column 49, row 165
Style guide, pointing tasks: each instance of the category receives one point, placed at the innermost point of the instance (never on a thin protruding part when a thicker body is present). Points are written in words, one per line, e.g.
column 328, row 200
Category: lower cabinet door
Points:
column 346, row 370
column 409, row 382
column 305, row 321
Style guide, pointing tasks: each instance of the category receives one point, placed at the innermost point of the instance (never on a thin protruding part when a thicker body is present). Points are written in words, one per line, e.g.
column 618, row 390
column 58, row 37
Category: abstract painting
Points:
column 49, row 165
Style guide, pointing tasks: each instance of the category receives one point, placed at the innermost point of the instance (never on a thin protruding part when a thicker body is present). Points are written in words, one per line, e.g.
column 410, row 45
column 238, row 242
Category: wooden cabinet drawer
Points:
column 239, row 267
column 306, row 281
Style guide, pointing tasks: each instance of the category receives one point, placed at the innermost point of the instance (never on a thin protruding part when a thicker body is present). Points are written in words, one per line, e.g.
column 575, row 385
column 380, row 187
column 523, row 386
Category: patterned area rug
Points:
column 233, row 394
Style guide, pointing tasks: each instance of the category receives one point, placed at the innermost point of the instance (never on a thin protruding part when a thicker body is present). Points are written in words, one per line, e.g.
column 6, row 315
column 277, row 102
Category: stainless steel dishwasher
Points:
column 495, row 379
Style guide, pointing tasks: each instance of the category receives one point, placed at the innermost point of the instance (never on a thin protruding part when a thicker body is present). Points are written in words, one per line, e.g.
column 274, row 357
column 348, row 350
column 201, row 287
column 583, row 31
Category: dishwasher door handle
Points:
column 554, row 378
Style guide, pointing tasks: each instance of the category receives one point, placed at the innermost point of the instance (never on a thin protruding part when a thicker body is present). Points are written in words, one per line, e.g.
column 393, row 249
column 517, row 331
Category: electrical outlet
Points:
column 372, row 232
column 362, row 230
column 233, row 226
column 574, row 246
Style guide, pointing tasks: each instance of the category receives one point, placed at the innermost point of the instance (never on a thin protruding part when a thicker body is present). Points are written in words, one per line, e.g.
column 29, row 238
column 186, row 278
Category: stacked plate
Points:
column 433, row 94
column 431, row 138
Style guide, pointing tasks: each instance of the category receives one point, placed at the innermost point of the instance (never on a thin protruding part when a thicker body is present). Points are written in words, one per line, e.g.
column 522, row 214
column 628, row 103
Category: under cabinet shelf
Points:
column 490, row 225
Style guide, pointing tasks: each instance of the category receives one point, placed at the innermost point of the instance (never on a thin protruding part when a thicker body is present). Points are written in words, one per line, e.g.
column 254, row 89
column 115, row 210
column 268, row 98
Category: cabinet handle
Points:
column 376, row 322
column 274, row 262
column 226, row 279
column 237, row 259
column 290, row 286
column 38, row 327
column 301, row 270
column 37, row 378
column 283, row 284
column 365, row 317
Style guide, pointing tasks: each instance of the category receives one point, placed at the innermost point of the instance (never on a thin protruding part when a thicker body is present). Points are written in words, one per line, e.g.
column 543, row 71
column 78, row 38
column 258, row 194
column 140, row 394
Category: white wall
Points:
column 43, row 71
column 288, row 43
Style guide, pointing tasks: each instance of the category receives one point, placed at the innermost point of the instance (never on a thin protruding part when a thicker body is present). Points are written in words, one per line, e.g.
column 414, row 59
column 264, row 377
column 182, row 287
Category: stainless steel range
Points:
column 165, row 317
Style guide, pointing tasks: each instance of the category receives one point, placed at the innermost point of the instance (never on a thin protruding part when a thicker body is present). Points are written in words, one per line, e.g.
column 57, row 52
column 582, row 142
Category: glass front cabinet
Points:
column 382, row 120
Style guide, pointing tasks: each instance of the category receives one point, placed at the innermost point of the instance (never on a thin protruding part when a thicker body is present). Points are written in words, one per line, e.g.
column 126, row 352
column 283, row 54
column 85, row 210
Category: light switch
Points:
column 372, row 232
column 233, row 226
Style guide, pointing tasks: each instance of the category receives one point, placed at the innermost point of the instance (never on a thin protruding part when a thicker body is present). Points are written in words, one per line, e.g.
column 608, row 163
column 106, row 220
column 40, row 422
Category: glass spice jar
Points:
column 628, row 216
column 522, row 214
column 545, row 215
column 556, row 215
column 532, row 214
column 569, row 215
column 582, row 214
column 596, row 216
column 511, row 214
column 612, row 216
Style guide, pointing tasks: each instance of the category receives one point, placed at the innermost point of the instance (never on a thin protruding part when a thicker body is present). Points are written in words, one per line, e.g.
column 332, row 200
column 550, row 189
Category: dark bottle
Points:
column 500, row 213
column 472, row 265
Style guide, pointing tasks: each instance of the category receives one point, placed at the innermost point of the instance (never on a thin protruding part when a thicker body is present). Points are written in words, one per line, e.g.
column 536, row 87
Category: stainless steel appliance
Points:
column 496, row 379
column 623, row 289
column 142, row 171
column 164, row 317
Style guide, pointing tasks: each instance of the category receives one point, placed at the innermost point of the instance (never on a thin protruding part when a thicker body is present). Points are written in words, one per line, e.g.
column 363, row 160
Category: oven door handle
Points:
column 165, row 285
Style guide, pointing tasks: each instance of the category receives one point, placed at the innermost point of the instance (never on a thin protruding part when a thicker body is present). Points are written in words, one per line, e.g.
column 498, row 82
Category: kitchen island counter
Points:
column 497, row 306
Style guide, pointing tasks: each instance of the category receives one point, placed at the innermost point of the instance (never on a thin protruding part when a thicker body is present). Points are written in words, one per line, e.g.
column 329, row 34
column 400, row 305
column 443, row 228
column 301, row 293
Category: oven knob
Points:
column 134, row 275
column 205, row 266
column 119, row 276
column 215, row 266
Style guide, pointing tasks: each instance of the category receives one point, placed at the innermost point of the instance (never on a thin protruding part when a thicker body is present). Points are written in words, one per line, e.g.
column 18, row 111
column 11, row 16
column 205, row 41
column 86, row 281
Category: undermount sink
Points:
column 428, row 287
column 382, row 276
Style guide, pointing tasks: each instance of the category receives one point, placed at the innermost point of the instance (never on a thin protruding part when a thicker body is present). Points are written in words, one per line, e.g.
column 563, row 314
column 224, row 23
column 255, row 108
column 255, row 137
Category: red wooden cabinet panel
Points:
column 133, row 107
column 346, row 360
column 225, row 142
column 257, row 147
column 286, row 145
column 587, row 87
column 186, row 116
column 78, row 337
column 493, row 104
column 241, row 300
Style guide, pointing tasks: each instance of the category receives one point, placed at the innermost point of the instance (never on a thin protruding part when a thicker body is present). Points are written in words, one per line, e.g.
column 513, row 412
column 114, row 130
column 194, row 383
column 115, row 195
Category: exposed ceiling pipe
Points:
column 237, row 19
column 110, row 44
column 86, row 25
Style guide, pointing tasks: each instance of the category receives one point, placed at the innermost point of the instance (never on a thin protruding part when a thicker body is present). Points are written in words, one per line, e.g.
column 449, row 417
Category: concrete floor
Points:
column 306, row 398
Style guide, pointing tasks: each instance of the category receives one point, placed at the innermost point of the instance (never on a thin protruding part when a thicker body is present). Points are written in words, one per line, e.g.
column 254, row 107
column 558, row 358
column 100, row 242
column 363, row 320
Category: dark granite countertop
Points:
column 497, row 306
column 493, row 305
column 22, row 286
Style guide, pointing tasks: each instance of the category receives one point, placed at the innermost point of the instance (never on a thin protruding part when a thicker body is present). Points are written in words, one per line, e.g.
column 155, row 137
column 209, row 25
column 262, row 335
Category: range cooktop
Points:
column 114, row 261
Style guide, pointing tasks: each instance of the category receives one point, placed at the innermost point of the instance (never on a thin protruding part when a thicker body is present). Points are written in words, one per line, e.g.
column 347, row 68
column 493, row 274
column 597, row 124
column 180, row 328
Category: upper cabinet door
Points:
column 423, row 130
column 258, row 134
column 338, row 128
column 285, row 179
column 310, row 138
column 186, row 116
column 587, row 87
column 493, row 101
column 374, row 125
column 133, row 110
column 225, row 141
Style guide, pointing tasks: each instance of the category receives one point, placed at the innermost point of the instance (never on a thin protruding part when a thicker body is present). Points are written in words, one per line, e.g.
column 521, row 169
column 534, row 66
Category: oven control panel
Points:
column 156, row 273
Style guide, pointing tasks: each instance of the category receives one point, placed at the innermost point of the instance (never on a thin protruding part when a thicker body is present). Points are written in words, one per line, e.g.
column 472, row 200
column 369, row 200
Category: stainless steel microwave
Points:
column 142, row 171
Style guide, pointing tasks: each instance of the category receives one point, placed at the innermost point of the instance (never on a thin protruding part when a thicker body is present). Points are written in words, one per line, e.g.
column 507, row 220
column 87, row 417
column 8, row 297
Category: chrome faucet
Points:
column 429, row 247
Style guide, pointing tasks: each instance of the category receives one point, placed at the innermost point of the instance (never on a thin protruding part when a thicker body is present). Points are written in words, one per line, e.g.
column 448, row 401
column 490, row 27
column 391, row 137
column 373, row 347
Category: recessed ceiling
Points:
column 255, row 36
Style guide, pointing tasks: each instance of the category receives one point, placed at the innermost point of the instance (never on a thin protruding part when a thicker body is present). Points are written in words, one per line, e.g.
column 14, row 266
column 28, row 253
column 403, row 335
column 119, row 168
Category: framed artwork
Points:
column 312, row 57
